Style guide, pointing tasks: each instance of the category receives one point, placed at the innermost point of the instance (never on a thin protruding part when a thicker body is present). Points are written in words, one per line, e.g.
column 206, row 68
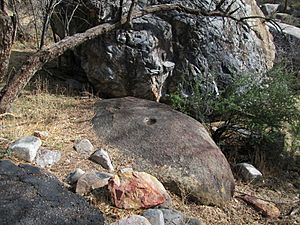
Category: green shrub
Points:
column 178, row 102
column 259, row 106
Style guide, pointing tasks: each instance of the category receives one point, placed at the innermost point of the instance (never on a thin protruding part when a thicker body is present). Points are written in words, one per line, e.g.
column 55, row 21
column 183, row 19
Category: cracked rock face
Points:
column 159, row 51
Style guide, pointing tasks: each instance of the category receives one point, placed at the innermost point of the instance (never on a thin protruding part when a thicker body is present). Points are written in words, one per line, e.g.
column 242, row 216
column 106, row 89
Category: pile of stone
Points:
column 161, row 216
column 128, row 189
column 29, row 149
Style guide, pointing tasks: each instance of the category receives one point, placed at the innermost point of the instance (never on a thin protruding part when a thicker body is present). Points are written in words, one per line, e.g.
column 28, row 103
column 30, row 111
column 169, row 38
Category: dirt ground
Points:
column 68, row 118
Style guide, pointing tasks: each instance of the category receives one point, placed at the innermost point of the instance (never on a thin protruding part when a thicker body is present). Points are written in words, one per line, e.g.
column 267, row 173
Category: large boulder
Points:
column 170, row 145
column 162, row 50
column 31, row 196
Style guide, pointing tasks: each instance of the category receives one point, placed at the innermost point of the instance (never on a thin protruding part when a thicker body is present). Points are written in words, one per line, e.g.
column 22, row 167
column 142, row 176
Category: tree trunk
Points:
column 44, row 30
column 13, row 88
column 285, row 5
column 15, row 85
column 7, row 34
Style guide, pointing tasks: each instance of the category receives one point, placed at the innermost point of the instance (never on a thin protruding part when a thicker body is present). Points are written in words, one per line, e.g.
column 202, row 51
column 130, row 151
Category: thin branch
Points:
column 12, row 89
column 131, row 9
column 70, row 19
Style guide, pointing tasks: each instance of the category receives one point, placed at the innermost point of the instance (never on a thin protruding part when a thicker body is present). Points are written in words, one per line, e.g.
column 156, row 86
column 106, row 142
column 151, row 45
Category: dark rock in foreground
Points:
column 168, row 144
column 30, row 196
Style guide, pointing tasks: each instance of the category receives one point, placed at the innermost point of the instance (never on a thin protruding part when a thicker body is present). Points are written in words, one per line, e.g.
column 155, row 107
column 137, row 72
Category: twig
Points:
column 130, row 12
column 5, row 115
column 275, row 202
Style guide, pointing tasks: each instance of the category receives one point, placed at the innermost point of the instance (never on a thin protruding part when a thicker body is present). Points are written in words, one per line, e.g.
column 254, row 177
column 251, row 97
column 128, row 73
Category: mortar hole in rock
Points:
column 149, row 121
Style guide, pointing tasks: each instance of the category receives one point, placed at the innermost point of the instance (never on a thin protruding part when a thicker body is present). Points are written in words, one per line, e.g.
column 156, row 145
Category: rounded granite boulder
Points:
column 167, row 144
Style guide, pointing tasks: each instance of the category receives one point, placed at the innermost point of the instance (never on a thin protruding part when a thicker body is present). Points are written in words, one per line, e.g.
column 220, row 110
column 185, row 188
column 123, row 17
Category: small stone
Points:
column 90, row 181
column 125, row 170
column 25, row 148
column 133, row 220
column 247, row 172
column 47, row 157
column 101, row 157
column 84, row 147
column 73, row 177
column 269, row 9
column 43, row 135
column 154, row 216
column 4, row 144
column 173, row 217
column 193, row 221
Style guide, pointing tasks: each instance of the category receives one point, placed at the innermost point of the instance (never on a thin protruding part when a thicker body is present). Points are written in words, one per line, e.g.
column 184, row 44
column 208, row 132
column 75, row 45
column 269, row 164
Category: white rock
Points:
column 247, row 171
column 133, row 220
column 74, row 176
column 291, row 31
column 269, row 9
column 47, row 157
column 25, row 148
column 125, row 170
column 84, row 147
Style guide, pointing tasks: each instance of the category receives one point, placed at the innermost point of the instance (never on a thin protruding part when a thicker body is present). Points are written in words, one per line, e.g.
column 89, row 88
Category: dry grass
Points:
column 58, row 115
column 68, row 118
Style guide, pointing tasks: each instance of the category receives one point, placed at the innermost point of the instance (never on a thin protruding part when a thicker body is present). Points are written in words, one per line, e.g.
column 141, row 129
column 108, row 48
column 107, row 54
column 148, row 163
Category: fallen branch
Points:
column 12, row 89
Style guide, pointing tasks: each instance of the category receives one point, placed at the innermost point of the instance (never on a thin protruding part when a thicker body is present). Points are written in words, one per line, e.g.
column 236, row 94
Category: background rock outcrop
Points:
column 161, row 51
column 168, row 144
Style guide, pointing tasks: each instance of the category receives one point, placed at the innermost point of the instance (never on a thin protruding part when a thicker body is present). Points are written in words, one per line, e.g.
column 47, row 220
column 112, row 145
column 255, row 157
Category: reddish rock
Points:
column 268, row 209
column 135, row 190
column 43, row 135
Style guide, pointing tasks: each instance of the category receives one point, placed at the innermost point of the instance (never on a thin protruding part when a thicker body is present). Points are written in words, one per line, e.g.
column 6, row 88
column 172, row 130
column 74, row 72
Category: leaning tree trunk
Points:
column 15, row 85
column 285, row 5
column 12, row 89
column 7, row 34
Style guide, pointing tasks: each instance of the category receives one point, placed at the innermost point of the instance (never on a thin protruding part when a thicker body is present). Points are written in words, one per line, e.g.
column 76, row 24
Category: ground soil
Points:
column 68, row 117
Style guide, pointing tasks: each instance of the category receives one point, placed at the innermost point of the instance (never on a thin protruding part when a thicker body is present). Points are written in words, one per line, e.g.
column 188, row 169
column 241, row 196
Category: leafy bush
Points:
column 255, row 106
column 262, row 105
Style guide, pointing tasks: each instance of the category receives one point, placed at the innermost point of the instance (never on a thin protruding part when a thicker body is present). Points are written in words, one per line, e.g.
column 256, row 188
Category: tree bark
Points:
column 12, row 89
column 285, row 5
column 7, row 34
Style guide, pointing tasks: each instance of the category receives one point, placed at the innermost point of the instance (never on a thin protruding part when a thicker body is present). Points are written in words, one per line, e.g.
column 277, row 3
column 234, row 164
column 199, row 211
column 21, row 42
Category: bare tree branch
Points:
column 129, row 15
column 12, row 89
column 48, row 11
